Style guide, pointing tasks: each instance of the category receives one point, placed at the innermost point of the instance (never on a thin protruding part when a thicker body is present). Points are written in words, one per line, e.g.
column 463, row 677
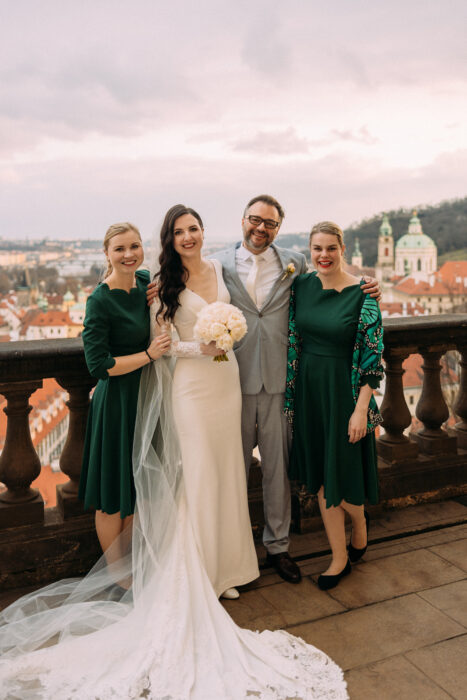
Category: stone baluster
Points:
column 460, row 406
column 394, row 445
column 431, row 409
column 72, row 454
column 19, row 462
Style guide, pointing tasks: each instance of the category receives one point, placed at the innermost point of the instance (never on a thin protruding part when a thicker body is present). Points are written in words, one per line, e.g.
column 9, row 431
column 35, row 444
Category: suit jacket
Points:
column 262, row 353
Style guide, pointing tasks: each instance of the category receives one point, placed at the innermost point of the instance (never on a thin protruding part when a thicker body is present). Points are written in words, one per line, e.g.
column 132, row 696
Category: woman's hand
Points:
column 152, row 292
column 357, row 425
column 159, row 346
column 372, row 288
column 211, row 349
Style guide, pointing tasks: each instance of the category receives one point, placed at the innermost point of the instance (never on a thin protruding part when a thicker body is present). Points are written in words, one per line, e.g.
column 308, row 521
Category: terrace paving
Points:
column 397, row 625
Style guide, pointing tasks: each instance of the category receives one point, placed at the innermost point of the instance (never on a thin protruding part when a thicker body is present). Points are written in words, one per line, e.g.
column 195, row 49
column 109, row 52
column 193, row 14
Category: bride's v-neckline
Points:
column 217, row 288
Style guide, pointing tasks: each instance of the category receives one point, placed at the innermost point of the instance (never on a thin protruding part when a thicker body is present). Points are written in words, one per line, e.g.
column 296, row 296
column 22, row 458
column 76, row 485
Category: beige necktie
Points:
column 250, row 283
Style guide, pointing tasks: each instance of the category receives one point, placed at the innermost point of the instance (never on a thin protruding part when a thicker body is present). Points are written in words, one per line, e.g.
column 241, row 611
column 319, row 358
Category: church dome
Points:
column 415, row 239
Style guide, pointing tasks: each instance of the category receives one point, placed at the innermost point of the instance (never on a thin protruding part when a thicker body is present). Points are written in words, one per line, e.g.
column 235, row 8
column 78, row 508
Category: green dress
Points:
column 116, row 324
column 326, row 321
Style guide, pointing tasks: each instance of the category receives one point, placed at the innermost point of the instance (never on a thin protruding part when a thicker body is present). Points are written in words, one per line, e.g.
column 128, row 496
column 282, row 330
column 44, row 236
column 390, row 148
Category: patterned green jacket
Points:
column 366, row 357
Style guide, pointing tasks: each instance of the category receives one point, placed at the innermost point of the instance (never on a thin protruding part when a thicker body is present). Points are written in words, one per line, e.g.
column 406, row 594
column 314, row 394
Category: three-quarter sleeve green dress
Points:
column 116, row 324
column 336, row 348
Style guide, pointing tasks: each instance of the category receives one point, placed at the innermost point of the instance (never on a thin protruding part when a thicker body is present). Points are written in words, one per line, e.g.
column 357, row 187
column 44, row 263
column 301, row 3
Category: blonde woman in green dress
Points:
column 334, row 363
column 117, row 347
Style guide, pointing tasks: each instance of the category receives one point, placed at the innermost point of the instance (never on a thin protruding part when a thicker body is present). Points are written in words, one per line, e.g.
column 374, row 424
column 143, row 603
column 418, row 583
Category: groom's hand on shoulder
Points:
column 152, row 292
column 372, row 288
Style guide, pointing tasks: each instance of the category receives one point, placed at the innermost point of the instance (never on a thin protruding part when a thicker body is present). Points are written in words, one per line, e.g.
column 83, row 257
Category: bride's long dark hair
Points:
column 172, row 274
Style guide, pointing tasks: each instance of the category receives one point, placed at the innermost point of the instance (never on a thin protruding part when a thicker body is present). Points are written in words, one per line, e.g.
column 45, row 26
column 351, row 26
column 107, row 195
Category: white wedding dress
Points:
column 169, row 638
column 207, row 404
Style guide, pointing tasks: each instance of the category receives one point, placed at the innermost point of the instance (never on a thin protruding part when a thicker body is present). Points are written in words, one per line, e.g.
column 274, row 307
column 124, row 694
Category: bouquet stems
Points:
column 221, row 358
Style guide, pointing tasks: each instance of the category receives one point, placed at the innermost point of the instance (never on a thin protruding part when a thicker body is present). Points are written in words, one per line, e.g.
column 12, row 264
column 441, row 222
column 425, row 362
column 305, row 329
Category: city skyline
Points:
column 110, row 112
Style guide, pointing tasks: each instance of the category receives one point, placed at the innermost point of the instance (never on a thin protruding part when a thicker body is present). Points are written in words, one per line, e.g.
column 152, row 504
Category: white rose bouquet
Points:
column 221, row 323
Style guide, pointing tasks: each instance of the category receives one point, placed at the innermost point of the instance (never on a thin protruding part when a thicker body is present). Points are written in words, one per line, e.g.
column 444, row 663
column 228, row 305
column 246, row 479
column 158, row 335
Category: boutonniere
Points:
column 289, row 270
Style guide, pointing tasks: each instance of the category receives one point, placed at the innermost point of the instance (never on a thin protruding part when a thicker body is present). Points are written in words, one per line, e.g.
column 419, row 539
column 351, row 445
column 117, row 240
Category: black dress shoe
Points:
column 354, row 553
column 327, row 582
column 285, row 566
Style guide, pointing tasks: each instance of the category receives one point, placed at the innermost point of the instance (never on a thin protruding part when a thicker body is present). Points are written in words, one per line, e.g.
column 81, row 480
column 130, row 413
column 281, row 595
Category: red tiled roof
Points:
column 412, row 308
column 416, row 287
column 46, row 482
column 442, row 283
column 413, row 375
column 452, row 269
column 54, row 317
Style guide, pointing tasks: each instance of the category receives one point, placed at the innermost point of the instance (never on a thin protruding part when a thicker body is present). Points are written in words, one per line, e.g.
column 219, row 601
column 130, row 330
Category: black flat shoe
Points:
column 327, row 582
column 354, row 553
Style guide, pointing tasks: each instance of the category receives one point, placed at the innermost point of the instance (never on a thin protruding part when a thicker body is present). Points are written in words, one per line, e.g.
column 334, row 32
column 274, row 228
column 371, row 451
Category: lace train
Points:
column 181, row 645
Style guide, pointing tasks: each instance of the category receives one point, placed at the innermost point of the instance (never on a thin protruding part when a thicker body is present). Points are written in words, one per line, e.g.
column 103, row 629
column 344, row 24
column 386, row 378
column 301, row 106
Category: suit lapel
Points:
column 284, row 261
column 231, row 269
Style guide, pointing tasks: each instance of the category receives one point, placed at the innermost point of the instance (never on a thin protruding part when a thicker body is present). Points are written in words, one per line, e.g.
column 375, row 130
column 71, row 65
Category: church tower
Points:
column 416, row 252
column 357, row 259
column 384, row 269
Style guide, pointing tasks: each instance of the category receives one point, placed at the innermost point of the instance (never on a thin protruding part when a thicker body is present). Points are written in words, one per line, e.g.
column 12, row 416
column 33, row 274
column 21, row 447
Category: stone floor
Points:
column 397, row 625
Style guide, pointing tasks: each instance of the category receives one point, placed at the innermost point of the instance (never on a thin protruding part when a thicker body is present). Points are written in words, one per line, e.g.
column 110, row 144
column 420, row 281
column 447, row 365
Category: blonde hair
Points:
column 112, row 231
column 329, row 227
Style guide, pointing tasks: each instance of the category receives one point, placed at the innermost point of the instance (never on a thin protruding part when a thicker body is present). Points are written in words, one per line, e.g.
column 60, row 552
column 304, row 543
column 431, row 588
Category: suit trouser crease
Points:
column 264, row 424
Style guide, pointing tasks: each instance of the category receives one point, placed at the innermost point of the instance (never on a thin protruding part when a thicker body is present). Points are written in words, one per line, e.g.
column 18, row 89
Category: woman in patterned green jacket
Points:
column 334, row 363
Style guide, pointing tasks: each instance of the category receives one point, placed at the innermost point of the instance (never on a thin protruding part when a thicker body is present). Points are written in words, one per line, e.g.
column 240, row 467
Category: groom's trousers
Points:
column 264, row 424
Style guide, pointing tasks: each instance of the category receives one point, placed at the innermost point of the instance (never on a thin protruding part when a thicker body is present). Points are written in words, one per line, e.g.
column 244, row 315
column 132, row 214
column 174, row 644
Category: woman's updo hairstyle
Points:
column 112, row 231
column 172, row 275
column 328, row 227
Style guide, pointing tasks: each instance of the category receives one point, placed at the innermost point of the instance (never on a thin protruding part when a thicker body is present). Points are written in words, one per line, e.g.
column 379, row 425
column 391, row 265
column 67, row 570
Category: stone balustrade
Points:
column 430, row 463
column 37, row 544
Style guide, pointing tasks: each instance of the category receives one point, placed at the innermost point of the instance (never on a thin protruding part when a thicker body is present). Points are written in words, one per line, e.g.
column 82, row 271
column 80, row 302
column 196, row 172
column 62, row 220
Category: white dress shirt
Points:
column 269, row 269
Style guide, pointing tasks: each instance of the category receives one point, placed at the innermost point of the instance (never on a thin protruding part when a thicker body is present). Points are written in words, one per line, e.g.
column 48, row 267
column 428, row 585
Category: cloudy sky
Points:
column 113, row 110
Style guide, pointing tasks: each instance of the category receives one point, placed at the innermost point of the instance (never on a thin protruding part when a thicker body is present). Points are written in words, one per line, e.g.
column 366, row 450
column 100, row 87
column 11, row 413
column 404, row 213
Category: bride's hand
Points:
column 211, row 349
column 159, row 346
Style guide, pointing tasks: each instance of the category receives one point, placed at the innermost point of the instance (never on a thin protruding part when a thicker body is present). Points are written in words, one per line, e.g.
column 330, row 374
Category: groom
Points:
column 258, row 275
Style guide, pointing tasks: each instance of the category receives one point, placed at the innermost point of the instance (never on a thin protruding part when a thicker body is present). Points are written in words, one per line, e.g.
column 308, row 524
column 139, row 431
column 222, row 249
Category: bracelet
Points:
column 151, row 359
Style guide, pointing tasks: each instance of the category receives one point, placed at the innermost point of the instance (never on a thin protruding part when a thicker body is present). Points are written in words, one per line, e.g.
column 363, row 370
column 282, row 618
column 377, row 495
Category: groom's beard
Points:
column 264, row 240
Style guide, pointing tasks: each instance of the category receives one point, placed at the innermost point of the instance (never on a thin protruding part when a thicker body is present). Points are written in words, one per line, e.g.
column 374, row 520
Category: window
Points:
column 411, row 400
column 419, row 265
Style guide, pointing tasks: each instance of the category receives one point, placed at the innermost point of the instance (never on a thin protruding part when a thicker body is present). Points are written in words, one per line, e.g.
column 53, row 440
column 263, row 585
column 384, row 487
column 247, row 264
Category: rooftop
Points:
column 434, row 286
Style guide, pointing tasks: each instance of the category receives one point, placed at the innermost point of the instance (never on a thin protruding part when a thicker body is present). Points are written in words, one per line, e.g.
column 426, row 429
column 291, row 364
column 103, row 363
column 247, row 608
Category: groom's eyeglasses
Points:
column 268, row 223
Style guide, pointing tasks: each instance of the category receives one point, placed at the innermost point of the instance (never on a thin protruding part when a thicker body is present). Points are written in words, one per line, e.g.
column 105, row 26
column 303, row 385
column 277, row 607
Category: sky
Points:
column 114, row 111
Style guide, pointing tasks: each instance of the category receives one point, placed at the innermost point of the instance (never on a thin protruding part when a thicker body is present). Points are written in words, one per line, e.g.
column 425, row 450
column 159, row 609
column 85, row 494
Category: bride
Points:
column 168, row 638
column 207, row 405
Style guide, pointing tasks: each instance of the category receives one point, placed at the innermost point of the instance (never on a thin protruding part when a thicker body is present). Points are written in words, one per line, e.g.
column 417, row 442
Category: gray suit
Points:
column 262, row 360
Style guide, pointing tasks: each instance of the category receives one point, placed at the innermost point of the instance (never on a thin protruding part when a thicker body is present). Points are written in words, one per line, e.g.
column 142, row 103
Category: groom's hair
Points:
column 267, row 199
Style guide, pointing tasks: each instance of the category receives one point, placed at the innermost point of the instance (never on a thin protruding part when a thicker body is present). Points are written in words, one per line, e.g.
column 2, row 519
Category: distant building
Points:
column 11, row 258
column 401, row 308
column 10, row 315
column 454, row 274
column 415, row 252
column 433, row 293
column 357, row 259
column 54, row 323
column 384, row 269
